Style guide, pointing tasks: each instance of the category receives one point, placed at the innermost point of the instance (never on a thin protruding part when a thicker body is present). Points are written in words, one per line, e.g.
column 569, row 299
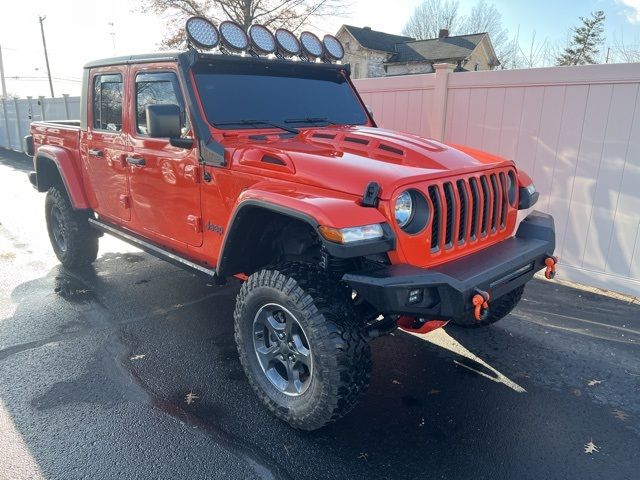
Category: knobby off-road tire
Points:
column 330, row 379
column 74, row 242
column 498, row 309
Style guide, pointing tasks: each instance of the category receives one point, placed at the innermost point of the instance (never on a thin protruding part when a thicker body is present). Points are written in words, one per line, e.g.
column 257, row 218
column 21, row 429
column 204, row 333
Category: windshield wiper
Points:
column 257, row 122
column 310, row 120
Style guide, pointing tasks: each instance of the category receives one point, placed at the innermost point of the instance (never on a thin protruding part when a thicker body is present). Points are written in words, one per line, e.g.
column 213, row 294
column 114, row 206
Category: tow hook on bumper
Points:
column 480, row 305
column 550, row 263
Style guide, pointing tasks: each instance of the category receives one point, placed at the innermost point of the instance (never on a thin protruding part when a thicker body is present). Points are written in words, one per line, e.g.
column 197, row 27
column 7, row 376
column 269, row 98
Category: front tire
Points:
column 300, row 345
column 74, row 242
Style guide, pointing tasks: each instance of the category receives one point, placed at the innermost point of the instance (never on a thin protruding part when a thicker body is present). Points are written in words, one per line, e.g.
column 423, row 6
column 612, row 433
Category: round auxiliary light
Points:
column 311, row 44
column 262, row 39
column 288, row 43
column 202, row 33
column 333, row 47
column 233, row 36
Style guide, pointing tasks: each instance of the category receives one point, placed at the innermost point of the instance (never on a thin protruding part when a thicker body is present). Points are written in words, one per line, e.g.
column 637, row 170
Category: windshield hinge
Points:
column 370, row 197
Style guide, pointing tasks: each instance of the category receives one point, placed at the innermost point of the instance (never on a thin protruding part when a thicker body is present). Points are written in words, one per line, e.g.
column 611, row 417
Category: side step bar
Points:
column 152, row 249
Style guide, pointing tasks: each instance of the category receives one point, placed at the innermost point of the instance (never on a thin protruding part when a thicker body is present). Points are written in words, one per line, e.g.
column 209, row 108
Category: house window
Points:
column 356, row 70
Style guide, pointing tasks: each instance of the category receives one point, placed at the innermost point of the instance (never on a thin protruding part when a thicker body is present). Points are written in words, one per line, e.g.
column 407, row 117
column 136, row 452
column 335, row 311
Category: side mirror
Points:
column 163, row 121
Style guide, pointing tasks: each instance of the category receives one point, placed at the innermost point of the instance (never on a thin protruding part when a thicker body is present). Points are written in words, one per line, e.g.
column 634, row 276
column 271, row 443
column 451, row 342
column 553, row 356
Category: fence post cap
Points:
column 444, row 66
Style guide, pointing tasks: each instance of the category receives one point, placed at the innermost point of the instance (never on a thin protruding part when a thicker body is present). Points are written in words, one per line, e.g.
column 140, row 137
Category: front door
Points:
column 106, row 145
column 164, row 180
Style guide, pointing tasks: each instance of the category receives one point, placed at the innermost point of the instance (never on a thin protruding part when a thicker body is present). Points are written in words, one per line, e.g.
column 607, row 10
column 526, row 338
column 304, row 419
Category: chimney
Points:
column 444, row 33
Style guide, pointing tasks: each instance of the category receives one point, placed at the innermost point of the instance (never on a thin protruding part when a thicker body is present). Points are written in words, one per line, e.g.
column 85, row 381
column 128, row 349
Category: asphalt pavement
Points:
column 130, row 371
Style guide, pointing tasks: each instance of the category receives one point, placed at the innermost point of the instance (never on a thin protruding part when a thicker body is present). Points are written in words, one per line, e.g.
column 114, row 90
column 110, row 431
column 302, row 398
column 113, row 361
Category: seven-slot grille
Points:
column 467, row 209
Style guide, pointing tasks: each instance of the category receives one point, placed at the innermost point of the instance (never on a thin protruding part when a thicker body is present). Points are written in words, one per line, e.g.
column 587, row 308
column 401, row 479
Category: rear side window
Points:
column 156, row 87
column 107, row 102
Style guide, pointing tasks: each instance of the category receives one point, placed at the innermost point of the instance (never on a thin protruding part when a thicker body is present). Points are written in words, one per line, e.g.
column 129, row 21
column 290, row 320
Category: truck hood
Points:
column 347, row 159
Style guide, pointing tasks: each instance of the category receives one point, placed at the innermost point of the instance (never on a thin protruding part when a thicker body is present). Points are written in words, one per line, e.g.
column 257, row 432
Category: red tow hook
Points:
column 551, row 263
column 416, row 325
column 481, row 305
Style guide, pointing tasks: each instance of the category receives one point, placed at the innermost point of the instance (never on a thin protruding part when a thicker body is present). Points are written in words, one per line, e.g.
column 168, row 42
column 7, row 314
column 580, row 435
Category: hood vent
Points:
column 390, row 149
column 330, row 136
column 361, row 141
column 272, row 160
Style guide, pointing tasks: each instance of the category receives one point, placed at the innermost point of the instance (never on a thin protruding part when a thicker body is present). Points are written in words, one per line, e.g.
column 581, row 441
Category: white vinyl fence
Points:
column 17, row 114
column 575, row 130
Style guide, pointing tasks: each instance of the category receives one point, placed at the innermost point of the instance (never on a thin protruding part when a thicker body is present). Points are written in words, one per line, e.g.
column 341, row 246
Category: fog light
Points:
column 415, row 296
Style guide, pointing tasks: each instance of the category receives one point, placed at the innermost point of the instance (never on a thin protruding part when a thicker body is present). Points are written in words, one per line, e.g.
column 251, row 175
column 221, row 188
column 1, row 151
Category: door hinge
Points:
column 195, row 222
column 192, row 172
column 125, row 201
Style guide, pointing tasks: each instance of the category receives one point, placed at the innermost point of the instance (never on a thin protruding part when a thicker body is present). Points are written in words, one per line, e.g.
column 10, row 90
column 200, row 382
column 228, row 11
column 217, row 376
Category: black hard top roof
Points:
column 212, row 57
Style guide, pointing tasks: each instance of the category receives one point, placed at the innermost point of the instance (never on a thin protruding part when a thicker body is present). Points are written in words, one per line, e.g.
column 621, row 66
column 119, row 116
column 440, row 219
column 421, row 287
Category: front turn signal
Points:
column 352, row 234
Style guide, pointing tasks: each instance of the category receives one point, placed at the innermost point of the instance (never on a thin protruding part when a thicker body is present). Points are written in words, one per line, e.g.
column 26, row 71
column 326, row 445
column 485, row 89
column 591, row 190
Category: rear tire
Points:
column 498, row 309
column 74, row 242
column 331, row 362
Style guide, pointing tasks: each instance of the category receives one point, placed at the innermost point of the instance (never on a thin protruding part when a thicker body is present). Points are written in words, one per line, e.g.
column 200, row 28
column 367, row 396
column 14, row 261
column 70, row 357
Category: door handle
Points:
column 95, row 152
column 137, row 161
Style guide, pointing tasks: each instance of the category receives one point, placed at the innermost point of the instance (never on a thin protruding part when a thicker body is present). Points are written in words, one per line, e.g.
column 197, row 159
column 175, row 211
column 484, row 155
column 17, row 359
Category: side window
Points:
column 107, row 102
column 157, row 87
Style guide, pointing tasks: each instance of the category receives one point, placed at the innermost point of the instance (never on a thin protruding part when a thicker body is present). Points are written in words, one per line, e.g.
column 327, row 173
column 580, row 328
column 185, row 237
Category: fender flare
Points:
column 68, row 171
column 337, row 250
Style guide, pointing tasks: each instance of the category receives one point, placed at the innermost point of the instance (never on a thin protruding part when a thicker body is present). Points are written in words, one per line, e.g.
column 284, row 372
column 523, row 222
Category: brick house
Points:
column 379, row 54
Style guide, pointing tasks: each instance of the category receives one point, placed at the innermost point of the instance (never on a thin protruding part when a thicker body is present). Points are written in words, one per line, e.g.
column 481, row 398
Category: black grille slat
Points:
column 475, row 196
column 450, row 220
column 485, row 205
column 464, row 211
column 496, row 203
column 505, row 201
column 434, row 195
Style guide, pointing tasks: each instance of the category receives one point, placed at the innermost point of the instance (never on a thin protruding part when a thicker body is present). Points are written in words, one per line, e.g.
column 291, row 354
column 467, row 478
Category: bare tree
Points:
column 623, row 52
column 291, row 14
column 430, row 16
column 534, row 55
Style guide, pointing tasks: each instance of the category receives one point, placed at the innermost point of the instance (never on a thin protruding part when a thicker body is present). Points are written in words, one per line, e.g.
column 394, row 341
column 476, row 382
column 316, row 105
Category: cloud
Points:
column 632, row 8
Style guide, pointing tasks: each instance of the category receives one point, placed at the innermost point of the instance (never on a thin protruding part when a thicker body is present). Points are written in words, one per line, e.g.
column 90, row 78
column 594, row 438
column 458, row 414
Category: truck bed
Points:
column 62, row 133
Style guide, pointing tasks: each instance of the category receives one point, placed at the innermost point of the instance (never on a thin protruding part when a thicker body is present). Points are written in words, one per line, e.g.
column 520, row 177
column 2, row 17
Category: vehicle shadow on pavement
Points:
column 90, row 361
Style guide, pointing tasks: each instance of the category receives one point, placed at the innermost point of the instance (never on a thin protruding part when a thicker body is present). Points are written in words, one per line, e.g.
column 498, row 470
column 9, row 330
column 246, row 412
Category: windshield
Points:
column 277, row 95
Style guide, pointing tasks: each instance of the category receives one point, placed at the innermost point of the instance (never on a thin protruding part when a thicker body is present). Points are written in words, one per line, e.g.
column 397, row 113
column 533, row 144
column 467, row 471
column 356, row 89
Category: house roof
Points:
column 456, row 48
column 375, row 40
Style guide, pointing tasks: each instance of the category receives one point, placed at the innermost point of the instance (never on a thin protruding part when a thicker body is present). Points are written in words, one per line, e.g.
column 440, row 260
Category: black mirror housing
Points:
column 164, row 120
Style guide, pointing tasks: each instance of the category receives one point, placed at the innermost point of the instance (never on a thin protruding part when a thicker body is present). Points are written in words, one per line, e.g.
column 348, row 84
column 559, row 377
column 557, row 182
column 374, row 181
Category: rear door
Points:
column 164, row 180
column 106, row 143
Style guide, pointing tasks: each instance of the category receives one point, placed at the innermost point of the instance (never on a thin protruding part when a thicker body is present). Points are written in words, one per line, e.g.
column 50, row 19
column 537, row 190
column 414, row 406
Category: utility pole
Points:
column 4, row 86
column 46, row 56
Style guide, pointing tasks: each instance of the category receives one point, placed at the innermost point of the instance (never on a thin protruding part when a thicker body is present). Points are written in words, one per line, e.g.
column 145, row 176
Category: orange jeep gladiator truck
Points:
column 267, row 166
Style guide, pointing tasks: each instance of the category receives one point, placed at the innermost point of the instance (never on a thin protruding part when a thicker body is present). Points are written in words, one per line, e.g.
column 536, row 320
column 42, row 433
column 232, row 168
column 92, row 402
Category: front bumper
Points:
column 446, row 291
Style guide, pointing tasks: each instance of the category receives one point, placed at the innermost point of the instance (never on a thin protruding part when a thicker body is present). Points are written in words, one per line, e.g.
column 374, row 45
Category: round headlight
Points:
column 512, row 188
column 404, row 209
column 333, row 47
column 311, row 44
column 288, row 43
column 262, row 39
column 233, row 36
column 202, row 33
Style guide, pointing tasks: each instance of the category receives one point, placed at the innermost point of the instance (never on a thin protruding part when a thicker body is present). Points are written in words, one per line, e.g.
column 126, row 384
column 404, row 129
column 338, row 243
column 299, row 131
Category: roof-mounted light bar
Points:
column 233, row 37
column 201, row 33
